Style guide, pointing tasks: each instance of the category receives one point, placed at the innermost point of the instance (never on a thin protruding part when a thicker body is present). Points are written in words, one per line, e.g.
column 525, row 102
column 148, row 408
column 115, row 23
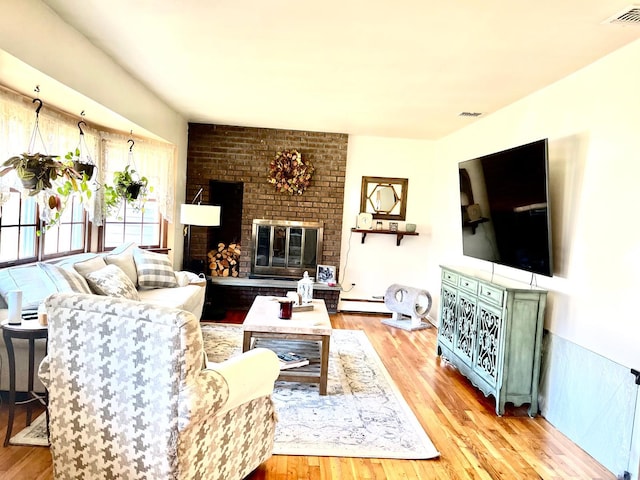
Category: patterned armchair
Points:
column 131, row 397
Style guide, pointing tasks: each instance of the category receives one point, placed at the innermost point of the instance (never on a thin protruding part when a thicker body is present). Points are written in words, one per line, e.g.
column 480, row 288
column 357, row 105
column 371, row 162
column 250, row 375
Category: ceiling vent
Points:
column 469, row 114
column 630, row 15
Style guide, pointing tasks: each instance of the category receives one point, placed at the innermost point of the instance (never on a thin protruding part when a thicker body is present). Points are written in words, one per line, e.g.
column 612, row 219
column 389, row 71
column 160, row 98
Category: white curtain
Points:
column 148, row 158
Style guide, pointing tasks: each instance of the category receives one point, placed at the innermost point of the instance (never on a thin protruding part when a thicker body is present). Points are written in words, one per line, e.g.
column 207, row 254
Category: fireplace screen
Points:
column 285, row 249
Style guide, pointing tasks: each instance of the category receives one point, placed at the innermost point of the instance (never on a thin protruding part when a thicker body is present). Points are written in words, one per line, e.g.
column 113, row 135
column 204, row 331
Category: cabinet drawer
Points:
column 450, row 277
column 468, row 284
column 490, row 294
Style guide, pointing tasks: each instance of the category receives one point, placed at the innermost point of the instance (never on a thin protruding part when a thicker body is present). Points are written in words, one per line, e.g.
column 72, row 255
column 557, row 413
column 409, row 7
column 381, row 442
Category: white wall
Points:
column 31, row 32
column 592, row 121
column 378, row 263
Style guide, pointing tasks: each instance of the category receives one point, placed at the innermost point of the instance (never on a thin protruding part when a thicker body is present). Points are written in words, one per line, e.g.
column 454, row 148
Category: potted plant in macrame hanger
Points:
column 37, row 171
column 129, row 184
column 128, row 187
column 79, row 158
column 51, row 181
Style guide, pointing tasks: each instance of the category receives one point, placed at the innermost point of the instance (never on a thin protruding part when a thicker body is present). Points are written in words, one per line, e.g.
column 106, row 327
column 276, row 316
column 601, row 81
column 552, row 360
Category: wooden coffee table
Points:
column 307, row 333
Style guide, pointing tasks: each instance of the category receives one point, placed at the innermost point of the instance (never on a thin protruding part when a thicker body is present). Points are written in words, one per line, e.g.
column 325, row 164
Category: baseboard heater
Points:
column 364, row 305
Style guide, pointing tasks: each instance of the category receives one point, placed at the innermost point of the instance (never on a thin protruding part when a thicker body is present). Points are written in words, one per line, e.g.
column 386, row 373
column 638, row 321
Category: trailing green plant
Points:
column 37, row 171
column 54, row 180
column 74, row 160
column 128, row 187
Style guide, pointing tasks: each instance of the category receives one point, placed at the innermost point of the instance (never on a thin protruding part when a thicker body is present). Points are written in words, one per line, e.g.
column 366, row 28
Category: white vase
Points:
column 14, row 304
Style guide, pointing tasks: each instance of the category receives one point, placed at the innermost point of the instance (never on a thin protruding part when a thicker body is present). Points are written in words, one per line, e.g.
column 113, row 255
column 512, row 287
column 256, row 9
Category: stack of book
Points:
column 291, row 360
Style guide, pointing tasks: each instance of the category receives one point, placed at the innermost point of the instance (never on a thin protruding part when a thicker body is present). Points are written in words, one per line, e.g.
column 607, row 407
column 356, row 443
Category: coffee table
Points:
column 307, row 333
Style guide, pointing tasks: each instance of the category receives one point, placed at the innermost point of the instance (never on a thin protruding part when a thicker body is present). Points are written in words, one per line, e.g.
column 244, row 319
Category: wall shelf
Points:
column 399, row 235
column 473, row 224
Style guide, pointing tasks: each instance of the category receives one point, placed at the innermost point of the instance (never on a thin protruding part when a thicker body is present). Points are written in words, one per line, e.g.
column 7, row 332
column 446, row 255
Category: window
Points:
column 19, row 218
column 155, row 161
column 18, row 222
column 67, row 236
column 19, row 240
column 140, row 226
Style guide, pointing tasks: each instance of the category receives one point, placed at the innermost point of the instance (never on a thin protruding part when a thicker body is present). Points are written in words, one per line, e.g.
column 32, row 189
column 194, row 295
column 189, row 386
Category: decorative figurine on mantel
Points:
column 305, row 288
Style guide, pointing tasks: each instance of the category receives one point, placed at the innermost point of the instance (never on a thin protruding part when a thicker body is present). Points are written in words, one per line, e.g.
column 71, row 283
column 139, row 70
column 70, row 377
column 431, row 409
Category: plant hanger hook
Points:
column 132, row 144
column 39, row 105
column 81, row 122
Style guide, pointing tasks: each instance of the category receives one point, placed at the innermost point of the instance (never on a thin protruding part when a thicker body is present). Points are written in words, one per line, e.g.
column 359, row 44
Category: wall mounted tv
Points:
column 504, row 201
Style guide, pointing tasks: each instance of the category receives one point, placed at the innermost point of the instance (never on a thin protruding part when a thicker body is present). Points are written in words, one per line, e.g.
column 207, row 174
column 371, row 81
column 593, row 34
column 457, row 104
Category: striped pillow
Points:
column 65, row 280
column 154, row 270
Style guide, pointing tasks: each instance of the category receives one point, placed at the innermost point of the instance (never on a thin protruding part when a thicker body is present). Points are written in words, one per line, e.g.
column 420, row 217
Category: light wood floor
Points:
column 473, row 442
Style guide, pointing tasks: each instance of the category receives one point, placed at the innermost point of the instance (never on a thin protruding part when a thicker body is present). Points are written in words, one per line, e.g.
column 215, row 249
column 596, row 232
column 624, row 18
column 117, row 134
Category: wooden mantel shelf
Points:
column 399, row 234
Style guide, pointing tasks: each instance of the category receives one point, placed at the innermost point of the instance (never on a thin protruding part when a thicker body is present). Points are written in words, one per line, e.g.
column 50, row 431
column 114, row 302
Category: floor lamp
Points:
column 198, row 215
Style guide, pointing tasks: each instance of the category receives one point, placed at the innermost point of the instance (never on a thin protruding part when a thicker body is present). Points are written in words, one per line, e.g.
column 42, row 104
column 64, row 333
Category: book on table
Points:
column 291, row 360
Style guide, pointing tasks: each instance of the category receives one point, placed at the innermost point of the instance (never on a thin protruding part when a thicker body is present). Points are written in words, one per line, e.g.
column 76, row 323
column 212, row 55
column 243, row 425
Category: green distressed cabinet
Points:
column 491, row 331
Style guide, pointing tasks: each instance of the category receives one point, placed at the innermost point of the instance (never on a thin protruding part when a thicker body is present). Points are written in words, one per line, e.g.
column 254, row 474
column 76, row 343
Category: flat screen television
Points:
column 504, row 201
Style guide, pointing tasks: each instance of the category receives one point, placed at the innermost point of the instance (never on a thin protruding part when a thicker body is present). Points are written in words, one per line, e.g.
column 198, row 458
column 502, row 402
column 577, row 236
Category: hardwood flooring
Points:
column 473, row 442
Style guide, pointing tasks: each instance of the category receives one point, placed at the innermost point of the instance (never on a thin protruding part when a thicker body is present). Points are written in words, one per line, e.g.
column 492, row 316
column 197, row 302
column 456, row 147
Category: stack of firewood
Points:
column 224, row 261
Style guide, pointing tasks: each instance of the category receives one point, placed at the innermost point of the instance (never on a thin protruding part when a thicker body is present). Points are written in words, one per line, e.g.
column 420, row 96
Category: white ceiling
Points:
column 397, row 69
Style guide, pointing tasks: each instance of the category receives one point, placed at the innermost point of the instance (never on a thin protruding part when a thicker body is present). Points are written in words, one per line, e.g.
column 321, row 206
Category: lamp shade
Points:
column 201, row 215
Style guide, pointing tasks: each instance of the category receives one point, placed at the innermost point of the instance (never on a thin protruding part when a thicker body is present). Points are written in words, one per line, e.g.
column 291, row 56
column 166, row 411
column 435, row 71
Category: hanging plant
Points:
column 288, row 172
column 37, row 172
column 51, row 181
column 79, row 158
column 127, row 187
column 84, row 168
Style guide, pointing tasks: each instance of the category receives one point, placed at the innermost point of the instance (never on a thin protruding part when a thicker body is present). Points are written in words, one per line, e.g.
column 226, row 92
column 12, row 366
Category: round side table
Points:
column 28, row 330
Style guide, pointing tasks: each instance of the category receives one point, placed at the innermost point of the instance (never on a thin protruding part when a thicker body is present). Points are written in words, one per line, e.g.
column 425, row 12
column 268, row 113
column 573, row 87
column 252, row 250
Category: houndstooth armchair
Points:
column 131, row 397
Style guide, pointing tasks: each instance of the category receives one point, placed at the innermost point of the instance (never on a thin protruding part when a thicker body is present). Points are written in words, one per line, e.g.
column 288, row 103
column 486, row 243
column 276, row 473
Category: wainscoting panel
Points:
column 591, row 399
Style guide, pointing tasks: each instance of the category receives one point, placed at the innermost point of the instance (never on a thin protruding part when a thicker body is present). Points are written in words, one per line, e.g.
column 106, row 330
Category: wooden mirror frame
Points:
column 402, row 183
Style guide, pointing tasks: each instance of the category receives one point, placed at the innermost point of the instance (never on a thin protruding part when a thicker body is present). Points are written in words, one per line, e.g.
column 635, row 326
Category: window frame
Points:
column 40, row 240
column 162, row 225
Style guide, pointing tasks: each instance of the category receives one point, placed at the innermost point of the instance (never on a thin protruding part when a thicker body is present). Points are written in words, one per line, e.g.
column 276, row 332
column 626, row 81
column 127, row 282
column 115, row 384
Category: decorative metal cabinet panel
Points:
column 491, row 330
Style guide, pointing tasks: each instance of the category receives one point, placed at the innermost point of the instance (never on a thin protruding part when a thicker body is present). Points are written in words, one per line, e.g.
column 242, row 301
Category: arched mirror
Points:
column 385, row 198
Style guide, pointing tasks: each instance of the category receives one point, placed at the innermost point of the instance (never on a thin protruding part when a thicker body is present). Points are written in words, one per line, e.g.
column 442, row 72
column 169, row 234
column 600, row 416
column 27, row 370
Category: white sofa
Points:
column 150, row 275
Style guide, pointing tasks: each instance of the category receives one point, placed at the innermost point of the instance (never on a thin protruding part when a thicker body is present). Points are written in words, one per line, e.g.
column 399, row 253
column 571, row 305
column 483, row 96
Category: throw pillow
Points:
column 85, row 267
column 122, row 256
column 154, row 270
column 30, row 279
column 113, row 282
column 65, row 280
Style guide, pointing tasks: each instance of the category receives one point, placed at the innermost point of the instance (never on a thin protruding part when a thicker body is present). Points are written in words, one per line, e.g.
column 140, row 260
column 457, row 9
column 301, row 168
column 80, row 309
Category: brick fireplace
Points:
column 241, row 155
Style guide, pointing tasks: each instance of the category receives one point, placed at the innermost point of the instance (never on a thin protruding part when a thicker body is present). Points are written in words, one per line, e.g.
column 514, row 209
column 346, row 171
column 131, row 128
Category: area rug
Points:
column 363, row 414
column 33, row 435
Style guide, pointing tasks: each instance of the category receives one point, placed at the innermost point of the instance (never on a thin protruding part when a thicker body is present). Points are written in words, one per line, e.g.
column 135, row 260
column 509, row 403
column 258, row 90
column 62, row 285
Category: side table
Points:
column 28, row 330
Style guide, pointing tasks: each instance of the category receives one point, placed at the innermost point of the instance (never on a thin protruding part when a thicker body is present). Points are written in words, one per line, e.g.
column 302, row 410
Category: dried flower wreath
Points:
column 288, row 172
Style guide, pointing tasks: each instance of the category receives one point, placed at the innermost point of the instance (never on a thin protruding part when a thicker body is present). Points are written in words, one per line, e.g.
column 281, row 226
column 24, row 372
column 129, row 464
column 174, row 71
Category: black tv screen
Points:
column 504, row 201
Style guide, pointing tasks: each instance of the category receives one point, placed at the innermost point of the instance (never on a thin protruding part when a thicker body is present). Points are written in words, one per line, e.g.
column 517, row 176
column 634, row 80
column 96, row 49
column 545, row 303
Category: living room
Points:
column 590, row 119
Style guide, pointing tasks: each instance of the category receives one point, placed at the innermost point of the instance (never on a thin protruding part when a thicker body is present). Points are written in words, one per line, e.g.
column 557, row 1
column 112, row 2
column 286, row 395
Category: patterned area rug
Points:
column 33, row 435
column 362, row 415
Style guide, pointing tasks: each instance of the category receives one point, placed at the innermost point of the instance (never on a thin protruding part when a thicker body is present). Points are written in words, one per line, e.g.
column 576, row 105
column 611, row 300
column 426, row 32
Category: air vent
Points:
column 469, row 114
column 630, row 15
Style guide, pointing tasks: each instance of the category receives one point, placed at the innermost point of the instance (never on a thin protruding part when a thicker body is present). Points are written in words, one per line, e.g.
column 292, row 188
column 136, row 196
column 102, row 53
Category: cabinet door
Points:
column 446, row 330
column 487, row 359
column 464, row 340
